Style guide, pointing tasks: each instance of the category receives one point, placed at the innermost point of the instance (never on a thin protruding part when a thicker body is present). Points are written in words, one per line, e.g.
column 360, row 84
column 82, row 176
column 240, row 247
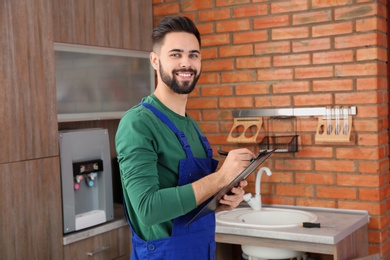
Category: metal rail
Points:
column 280, row 112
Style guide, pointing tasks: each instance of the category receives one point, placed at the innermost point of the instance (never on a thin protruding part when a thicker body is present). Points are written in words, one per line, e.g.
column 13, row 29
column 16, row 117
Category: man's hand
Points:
column 229, row 202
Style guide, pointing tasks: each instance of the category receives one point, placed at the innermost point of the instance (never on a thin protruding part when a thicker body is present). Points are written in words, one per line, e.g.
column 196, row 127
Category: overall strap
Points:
column 180, row 135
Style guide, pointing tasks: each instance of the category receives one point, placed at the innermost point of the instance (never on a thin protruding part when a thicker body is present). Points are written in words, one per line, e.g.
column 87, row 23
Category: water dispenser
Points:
column 87, row 198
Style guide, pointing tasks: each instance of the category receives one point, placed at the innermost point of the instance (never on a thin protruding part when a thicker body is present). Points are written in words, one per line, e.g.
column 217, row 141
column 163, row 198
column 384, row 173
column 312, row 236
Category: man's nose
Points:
column 185, row 62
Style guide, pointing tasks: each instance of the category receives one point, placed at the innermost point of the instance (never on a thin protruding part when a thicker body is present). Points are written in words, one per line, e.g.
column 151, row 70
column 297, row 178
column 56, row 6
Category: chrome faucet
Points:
column 255, row 202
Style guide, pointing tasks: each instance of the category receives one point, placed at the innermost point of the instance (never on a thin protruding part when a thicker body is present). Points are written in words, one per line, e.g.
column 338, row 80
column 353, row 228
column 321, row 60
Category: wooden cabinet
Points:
column 113, row 244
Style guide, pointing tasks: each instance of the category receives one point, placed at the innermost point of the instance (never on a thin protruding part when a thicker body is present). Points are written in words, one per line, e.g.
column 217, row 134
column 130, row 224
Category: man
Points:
column 166, row 165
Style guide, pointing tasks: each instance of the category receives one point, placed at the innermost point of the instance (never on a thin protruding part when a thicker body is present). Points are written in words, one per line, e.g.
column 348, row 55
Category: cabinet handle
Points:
column 104, row 248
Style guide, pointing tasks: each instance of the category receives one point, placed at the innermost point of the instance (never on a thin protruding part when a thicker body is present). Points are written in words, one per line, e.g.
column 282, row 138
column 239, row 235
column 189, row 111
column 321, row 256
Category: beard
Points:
column 185, row 87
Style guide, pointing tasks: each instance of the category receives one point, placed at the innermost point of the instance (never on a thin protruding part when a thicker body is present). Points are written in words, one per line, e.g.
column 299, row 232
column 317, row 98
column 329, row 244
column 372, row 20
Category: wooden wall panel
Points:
column 125, row 24
column 28, row 114
column 30, row 206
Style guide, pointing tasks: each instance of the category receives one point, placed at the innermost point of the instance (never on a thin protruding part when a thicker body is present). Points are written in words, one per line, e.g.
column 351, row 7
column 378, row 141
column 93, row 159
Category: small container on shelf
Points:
column 281, row 144
column 281, row 136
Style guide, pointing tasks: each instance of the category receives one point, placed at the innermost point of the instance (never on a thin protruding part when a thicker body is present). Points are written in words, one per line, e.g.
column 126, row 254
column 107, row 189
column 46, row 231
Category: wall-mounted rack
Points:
column 275, row 112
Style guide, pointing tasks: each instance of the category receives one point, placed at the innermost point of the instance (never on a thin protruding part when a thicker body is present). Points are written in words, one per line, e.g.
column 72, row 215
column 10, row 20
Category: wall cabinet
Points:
column 113, row 244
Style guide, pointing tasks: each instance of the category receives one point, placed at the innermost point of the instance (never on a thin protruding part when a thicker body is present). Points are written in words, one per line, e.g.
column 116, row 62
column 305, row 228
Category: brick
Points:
column 361, row 40
column 215, row 40
column 217, row 139
column 290, row 87
column 372, row 194
column 208, row 78
column 209, row 53
column 220, row 3
column 274, row 74
column 278, row 177
column 314, row 72
column 312, row 202
column 359, row 180
column 217, row 115
column 250, row 37
column 371, row 83
column 277, row 200
column 334, row 166
column 317, row 178
column 252, row 89
column 311, row 45
column 312, row 99
column 312, row 17
column 290, row 33
column 253, row 62
column 333, row 85
column 271, row 22
column 358, row 153
column 193, row 5
column 217, row 65
column 235, row 102
column 329, row 3
column 252, row 10
column 333, row 57
column 365, row 69
column 237, row 50
column 371, row 24
column 355, row 11
column 295, row 164
column 232, row 25
column 166, row 9
column 294, row 190
column 204, row 29
column 291, row 60
column 355, row 98
column 238, row 76
column 372, row 139
column 213, row 15
column 332, row 29
column 217, row 91
column 272, row 101
column 369, row 111
column 202, row 103
column 288, row 6
column 315, row 152
column 336, row 193
column 209, row 127
column 272, row 48
column 371, row 54
column 367, row 126
column 373, row 167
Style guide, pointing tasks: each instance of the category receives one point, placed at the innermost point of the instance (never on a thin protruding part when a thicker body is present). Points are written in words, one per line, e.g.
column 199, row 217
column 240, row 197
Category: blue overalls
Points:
column 197, row 240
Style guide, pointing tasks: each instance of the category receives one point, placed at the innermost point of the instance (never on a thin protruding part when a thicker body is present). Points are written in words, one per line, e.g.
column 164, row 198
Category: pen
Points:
column 225, row 153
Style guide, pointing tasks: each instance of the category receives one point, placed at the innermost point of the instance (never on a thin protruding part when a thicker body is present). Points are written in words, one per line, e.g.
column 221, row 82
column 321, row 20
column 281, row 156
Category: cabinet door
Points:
column 113, row 244
column 30, row 210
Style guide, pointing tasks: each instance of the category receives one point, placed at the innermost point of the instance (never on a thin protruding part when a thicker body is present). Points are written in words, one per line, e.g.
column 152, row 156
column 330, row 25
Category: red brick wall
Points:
column 303, row 53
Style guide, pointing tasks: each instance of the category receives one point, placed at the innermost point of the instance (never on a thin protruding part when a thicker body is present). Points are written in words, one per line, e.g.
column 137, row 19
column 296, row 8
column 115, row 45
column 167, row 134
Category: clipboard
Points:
column 213, row 203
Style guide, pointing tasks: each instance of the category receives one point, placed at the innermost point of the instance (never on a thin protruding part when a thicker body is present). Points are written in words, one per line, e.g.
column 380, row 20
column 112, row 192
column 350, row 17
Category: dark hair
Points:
column 173, row 24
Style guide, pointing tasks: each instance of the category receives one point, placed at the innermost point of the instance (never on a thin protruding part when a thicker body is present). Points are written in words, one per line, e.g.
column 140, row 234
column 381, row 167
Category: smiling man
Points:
column 166, row 165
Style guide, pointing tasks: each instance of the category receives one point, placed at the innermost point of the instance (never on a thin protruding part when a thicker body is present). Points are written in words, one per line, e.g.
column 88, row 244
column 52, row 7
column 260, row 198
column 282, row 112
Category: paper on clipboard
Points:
column 214, row 202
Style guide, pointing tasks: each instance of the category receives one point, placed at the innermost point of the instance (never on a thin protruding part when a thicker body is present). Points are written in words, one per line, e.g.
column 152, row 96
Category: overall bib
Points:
column 197, row 240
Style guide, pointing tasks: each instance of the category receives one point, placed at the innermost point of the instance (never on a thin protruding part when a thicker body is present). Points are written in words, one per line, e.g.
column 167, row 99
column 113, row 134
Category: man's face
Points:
column 179, row 62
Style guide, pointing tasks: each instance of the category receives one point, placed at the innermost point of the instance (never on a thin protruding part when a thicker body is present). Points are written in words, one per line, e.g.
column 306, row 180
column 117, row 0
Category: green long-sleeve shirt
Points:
column 148, row 156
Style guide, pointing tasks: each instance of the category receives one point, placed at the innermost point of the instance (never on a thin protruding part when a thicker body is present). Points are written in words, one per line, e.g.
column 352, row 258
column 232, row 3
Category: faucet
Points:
column 255, row 202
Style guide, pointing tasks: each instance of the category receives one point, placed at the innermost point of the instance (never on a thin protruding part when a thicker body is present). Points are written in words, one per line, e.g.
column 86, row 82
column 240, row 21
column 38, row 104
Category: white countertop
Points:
column 345, row 222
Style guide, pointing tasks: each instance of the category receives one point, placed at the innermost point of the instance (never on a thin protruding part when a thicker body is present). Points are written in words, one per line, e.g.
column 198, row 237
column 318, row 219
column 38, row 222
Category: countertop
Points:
column 345, row 222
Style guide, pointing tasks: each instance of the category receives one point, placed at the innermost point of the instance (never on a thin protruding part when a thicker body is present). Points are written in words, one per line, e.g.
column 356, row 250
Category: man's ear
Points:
column 154, row 60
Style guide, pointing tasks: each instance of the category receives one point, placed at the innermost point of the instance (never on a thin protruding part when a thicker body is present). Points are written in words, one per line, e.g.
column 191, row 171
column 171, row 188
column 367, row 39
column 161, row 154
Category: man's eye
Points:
column 194, row 56
column 175, row 55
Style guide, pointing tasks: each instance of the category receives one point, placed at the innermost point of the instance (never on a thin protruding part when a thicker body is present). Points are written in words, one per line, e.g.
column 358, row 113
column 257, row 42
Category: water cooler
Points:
column 86, row 178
